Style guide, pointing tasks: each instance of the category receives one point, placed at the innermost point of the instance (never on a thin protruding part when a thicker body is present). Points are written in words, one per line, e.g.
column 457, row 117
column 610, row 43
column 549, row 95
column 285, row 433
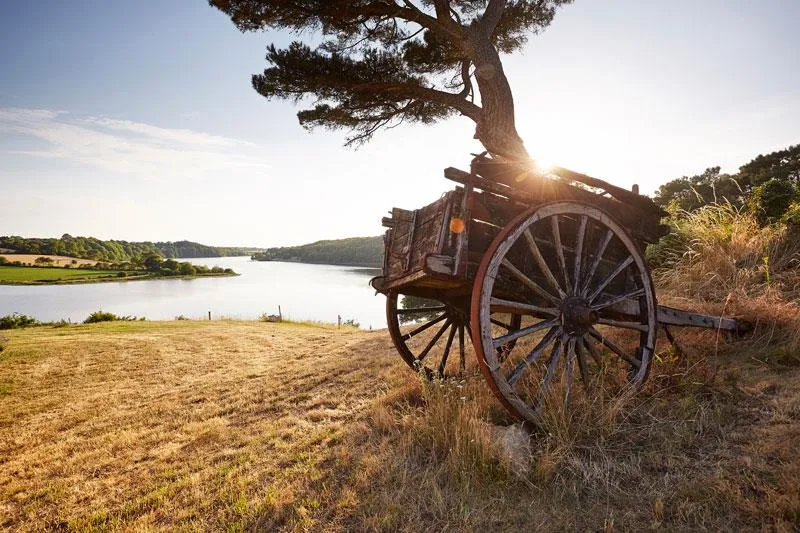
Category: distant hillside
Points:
column 355, row 251
column 113, row 250
column 190, row 249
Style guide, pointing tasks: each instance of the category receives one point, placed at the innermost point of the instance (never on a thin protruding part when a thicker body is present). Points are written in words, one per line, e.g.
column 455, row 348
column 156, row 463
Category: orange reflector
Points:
column 457, row 225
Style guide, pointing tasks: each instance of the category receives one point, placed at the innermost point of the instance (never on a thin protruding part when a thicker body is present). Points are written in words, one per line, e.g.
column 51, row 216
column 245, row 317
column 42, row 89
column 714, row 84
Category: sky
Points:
column 137, row 121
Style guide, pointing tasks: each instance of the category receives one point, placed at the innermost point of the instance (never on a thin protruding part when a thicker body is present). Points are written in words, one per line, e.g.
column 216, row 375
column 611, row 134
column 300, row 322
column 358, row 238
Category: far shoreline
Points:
column 114, row 279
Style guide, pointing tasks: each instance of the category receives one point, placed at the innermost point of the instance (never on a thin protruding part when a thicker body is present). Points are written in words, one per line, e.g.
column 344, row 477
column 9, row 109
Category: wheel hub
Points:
column 577, row 316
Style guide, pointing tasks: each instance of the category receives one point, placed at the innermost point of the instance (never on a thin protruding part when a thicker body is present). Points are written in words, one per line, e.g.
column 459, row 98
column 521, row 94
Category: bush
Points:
column 104, row 316
column 17, row 320
column 771, row 200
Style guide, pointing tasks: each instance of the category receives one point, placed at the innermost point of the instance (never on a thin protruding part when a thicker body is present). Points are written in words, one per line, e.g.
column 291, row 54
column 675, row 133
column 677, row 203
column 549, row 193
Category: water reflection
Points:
column 304, row 292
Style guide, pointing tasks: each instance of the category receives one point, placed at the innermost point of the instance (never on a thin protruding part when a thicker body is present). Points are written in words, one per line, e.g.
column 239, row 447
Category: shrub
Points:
column 17, row 320
column 771, row 200
column 351, row 322
column 104, row 316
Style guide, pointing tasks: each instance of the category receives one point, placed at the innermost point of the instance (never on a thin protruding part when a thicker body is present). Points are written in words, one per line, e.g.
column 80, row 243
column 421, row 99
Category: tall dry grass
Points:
column 718, row 259
column 672, row 456
column 721, row 250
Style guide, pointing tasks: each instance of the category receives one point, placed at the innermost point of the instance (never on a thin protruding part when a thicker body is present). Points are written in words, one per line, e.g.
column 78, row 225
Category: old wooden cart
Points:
column 545, row 272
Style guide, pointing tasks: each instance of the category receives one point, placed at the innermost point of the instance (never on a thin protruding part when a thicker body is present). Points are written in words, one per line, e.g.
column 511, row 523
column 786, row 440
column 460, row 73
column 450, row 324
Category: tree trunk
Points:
column 496, row 129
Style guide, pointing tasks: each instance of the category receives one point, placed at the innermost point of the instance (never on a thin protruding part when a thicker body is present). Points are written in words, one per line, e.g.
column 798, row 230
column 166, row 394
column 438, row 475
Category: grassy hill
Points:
column 234, row 425
column 355, row 251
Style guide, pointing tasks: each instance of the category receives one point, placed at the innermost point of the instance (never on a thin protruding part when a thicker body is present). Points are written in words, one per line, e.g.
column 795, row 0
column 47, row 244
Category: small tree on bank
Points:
column 383, row 62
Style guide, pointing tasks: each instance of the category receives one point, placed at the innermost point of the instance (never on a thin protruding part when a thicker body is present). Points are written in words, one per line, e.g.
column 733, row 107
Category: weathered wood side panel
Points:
column 414, row 236
column 643, row 226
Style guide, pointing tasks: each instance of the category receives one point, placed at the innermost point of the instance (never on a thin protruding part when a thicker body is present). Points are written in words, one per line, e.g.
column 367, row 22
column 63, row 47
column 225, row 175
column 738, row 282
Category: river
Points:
column 304, row 292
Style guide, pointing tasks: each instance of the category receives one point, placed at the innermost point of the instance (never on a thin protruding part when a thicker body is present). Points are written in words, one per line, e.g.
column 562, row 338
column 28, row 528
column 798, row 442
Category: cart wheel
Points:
column 434, row 335
column 588, row 302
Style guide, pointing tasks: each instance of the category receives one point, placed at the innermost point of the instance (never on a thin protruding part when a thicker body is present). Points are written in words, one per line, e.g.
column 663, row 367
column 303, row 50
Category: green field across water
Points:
column 15, row 274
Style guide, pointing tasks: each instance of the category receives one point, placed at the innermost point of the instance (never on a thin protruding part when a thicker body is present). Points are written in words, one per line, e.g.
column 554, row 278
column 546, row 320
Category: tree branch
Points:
column 491, row 17
column 456, row 101
column 465, row 77
column 413, row 14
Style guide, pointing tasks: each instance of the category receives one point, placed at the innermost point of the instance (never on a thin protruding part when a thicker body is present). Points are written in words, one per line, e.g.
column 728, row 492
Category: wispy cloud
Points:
column 135, row 148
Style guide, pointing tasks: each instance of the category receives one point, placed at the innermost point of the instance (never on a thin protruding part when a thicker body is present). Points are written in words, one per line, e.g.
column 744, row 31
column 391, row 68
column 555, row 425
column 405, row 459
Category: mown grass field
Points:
column 235, row 425
column 13, row 274
column 58, row 260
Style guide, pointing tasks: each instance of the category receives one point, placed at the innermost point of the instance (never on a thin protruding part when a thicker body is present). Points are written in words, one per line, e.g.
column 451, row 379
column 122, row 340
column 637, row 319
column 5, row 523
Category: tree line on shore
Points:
column 768, row 187
column 114, row 250
column 355, row 251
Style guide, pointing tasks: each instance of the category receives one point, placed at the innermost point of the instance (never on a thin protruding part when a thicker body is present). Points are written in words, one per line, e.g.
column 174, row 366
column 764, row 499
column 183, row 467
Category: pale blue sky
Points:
column 136, row 120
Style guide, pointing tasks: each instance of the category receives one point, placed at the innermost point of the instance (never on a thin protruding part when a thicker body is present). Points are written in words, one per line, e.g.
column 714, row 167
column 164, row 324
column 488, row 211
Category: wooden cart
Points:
column 545, row 273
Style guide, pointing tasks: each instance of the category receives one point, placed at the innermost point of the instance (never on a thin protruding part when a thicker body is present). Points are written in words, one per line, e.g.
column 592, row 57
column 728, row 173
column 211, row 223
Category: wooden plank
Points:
column 516, row 175
column 643, row 226
column 670, row 316
column 677, row 317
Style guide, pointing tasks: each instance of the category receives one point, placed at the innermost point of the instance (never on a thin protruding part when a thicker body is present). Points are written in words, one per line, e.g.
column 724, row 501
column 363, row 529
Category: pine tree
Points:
column 384, row 62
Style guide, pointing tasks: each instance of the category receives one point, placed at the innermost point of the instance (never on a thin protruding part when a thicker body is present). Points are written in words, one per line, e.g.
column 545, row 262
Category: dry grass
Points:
column 719, row 250
column 246, row 425
column 58, row 260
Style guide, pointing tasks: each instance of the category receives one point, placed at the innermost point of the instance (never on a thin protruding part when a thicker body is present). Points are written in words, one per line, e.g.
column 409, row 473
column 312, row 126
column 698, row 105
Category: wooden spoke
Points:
column 434, row 340
column 597, row 258
column 532, row 356
column 522, row 308
column 598, row 359
column 582, row 364
column 501, row 324
column 539, row 258
column 617, row 299
column 423, row 327
column 622, row 266
column 569, row 351
column 450, row 337
column 614, row 348
column 623, row 324
column 559, row 250
column 461, row 359
column 421, row 310
column 555, row 356
column 505, row 339
column 579, row 253
column 529, row 282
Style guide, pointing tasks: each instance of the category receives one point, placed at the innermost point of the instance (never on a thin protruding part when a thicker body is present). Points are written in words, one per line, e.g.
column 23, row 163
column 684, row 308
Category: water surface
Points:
column 304, row 292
